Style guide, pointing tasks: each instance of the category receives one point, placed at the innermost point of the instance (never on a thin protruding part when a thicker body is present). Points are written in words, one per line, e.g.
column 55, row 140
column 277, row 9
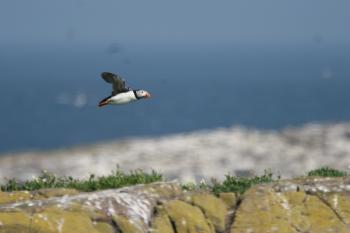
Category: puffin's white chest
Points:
column 123, row 98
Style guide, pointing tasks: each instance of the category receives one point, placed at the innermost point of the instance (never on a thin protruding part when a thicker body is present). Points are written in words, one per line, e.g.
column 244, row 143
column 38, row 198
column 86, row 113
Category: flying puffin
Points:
column 121, row 94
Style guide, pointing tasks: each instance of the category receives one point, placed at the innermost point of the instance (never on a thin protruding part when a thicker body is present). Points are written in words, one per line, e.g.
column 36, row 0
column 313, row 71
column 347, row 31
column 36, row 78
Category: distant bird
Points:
column 121, row 94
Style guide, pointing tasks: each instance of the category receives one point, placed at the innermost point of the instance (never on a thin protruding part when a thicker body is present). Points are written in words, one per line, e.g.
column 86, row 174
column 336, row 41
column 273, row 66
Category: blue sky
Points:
column 180, row 21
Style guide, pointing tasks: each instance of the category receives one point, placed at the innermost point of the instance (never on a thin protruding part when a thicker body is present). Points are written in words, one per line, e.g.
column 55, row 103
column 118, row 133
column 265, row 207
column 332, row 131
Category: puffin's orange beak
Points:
column 148, row 95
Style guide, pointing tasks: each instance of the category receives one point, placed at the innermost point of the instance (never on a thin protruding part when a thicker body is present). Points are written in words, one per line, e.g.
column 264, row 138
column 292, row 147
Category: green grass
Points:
column 327, row 172
column 118, row 179
column 231, row 183
column 240, row 184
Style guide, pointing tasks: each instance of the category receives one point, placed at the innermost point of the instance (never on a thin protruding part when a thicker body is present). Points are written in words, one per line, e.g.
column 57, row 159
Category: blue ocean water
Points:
column 49, row 94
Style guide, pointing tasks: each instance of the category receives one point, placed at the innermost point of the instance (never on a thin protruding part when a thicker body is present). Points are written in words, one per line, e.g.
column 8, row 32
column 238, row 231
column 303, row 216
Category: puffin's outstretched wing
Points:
column 117, row 82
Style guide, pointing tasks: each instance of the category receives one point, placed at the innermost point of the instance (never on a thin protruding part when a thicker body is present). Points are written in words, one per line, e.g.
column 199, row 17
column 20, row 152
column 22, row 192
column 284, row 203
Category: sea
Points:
column 49, row 93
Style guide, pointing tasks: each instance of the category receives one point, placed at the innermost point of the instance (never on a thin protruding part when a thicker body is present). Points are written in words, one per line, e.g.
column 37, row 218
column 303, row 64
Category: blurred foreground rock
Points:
column 313, row 205
column 197, row 155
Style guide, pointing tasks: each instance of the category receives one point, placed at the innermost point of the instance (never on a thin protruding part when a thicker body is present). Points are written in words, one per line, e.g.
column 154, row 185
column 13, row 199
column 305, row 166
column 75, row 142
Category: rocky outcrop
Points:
column 122, row 210
column 302, row 205
column 313, row 205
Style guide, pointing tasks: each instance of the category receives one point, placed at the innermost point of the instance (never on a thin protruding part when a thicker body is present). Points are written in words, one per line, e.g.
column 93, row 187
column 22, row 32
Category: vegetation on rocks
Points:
column 327, row 172
column 240, row 184
column 118, row 179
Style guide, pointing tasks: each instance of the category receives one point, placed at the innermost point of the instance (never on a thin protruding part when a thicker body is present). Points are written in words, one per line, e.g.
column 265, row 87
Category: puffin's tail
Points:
column 104, row 102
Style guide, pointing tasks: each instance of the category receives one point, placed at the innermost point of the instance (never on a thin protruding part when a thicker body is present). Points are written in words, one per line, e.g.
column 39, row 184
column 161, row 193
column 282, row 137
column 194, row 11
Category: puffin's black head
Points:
column 140, row 94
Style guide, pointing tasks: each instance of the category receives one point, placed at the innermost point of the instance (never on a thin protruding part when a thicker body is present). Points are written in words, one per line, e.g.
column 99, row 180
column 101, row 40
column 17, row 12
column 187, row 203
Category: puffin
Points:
column 121, row 94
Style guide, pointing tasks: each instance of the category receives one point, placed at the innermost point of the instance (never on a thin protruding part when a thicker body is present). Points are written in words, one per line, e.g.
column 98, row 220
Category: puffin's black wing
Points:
column 117, row 82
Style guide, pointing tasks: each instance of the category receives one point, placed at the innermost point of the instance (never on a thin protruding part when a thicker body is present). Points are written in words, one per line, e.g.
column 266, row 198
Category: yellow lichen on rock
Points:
column 310, row 213
column 297, row 212
column 214, row 209
column 230, row 199
column 53, row 192
column 90, row 212
column 340, row 203
column 103, row 227
column 164, row 190
column 47, row 220
column 161, row 222
column 127, row 225
column 24, row 222
column 322, row 218
column 187, row 218
column 58, row 220
column 20, row 196
column 14, row 222
column 261, row 211
column 264, row 210
column 12, row 197
column 15, row 229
